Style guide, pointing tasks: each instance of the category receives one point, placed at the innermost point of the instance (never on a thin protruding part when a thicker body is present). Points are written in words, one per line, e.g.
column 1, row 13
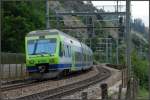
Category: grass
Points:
column 143, row 94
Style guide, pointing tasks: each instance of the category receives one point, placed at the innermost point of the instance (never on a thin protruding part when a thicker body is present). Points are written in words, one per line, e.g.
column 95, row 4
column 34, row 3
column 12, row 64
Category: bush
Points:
column 140, row 69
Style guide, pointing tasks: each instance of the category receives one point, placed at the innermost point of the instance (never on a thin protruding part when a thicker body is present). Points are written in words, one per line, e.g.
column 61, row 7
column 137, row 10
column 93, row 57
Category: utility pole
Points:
column 117, row 5
column 117, row 55
column 106, row 49
column 128, row 38
column 111, row 51
column 117, row 41
column 47, row 15
column 149, row 55
column 57, row 19
column 0, row 60
column 129, row 93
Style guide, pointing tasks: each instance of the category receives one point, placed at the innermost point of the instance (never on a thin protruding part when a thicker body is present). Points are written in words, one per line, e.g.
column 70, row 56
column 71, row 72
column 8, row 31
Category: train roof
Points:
column 52, row 32
column 48, row 32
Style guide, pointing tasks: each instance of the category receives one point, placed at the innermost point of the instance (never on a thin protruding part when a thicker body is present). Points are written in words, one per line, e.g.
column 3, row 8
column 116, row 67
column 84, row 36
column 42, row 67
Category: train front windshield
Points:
column 41, row 46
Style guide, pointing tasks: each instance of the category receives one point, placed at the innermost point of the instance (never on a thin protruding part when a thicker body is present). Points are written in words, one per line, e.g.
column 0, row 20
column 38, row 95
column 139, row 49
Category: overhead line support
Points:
column 47, row 15
column 129, row 94
column 90, row 13
column 86, row 27
column 128, row 37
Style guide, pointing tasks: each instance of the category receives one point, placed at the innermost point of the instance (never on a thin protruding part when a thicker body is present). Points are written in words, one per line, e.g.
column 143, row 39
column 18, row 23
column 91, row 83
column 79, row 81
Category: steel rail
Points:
column 21, row 84
column 76, row 88
column 69, row 89
column 17, row 85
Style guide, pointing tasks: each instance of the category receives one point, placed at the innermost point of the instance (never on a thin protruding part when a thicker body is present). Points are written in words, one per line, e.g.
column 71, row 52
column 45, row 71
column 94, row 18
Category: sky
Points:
column 139, row 9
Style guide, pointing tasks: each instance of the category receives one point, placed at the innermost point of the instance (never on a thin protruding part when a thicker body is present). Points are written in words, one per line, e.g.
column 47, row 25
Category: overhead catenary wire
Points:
column 84, row 27
column 89, row 13
column 81, row 21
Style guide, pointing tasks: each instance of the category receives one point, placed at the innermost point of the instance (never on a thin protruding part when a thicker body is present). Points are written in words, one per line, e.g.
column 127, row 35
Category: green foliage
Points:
column 140, row 68
column 19, row 18
column 98, row 31
column 143, row 94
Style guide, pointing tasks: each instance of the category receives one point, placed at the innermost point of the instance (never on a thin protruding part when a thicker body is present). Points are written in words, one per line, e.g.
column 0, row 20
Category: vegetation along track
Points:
column 69, row 89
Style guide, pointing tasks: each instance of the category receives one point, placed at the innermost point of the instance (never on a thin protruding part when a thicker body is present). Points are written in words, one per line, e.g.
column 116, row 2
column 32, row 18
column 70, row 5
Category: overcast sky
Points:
column 139, row 9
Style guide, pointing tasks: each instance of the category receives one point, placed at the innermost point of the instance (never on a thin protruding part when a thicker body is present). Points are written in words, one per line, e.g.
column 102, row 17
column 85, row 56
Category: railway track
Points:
column 69, row 89
column 25, row 83
column 17, row 85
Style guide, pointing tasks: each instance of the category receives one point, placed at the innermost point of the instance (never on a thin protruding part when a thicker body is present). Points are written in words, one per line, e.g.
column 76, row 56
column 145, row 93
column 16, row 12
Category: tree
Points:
column 19, row 18
column 138, row 25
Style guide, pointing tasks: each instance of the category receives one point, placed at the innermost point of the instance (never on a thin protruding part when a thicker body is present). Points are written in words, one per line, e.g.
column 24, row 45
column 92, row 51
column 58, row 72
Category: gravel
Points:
column 51, row 84
column 94, row 91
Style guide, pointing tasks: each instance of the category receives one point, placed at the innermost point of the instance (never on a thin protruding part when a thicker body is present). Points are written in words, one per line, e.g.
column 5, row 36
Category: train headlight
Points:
column 31, row 61
column 52, row 60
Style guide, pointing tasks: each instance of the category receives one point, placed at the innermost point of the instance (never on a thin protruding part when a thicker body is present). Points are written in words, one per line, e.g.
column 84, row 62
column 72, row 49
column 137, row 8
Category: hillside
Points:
column 139, row 31
column 21, row 17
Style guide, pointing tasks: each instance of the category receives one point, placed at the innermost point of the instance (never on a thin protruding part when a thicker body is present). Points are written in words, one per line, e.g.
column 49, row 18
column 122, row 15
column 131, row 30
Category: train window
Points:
column 60, row 50
column 77, row 56
column 65, row 50
column 64, row 53
column 69, row 54
column 84, row 57
column 90, row 58
column 87, row 57
column 80, row 56
column 70, row 51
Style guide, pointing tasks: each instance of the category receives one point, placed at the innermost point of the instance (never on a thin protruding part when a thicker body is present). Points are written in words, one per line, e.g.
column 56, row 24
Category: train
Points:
column 49, row 53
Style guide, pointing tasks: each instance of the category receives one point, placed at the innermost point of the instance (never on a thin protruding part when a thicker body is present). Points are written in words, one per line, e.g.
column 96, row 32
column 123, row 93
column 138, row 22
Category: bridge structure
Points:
column 105, row 46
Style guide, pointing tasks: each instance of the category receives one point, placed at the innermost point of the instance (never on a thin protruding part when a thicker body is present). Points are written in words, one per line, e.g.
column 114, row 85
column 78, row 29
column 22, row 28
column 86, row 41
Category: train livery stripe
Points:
column 53, row 66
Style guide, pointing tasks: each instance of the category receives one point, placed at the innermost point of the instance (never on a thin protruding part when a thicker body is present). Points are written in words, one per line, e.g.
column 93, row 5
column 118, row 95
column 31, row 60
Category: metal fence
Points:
column 12, row 58
column 13, row 66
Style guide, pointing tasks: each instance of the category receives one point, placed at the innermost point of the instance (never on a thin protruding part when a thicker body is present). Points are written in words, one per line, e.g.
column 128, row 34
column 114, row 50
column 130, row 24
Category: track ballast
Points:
column 69, row 89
